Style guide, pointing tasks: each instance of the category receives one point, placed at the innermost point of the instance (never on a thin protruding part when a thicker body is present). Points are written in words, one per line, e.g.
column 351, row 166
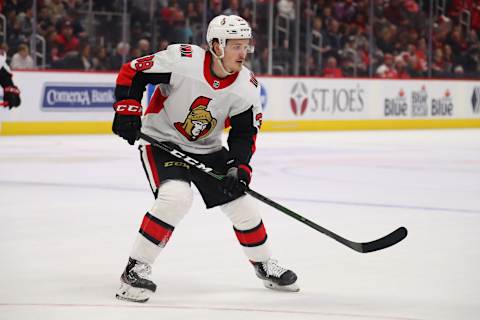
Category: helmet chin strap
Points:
column 219, row 59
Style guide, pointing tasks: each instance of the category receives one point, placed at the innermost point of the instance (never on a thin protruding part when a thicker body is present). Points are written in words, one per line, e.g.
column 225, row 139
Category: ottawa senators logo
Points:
column 199, row 121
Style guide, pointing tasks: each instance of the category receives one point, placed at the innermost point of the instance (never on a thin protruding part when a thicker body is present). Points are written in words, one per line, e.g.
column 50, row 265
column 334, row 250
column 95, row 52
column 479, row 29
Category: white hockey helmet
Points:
column 224, row 27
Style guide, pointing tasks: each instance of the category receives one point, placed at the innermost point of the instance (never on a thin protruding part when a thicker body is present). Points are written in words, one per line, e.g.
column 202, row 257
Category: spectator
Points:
column 438, row 64
column 45, row 21
column 100, row 60
column 135, row 53
column 333, row 39
column 56, row 9
column 181, row 32
column 472, row 62
column 401, row 68
column 120, row 55
column 66, row 41
column 260, row 63
column 215, row 9
column 387, row 69
column 192, row 15
column 386, row 41
column 287, row 8
column 78, row 60
column 51, row 47
column 345, row 10
column 144, row 47
column 22, row 59
column 399, row 28
column 232, row 8
column 448, row 58
column 421, row 55
column 412, row 67
column 163, row 44
column 331, row 70
column 25, row 20
column 457, row 42
column 458, row 72
column 74, row 17
column 71, row 4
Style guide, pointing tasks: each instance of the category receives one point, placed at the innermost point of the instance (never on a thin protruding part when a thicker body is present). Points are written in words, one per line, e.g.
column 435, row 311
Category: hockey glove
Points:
column 127, row 121
column 237, row 179
column 11, row 95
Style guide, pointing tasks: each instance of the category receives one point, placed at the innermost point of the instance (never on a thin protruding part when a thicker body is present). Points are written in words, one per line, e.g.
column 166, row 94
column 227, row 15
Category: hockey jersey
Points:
column 190, row 105
column 5, row 73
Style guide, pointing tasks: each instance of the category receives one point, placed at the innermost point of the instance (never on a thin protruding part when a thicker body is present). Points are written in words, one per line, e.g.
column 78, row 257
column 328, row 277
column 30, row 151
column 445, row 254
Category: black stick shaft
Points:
column 379, row 244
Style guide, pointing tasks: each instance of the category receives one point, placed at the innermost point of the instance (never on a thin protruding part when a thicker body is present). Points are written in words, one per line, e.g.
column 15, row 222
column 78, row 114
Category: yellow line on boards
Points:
column 55, row 127
column 105, row 127
column 331, row 125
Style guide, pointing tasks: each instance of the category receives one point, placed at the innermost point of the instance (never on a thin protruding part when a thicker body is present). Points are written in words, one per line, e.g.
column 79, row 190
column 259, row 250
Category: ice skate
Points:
column 135, row 283
column 276, row 277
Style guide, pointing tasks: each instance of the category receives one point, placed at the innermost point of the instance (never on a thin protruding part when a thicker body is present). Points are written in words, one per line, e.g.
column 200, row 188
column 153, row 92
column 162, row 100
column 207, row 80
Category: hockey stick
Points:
column 363, row 247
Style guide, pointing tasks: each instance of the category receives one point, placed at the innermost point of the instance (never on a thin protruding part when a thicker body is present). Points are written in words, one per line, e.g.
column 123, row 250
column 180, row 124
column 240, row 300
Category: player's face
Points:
column 235, row 54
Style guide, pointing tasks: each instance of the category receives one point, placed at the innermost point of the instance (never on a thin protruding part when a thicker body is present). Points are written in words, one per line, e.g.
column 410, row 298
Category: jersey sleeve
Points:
column 5, row 73
column 245, row 120
column 243, row 134
column 136, row 74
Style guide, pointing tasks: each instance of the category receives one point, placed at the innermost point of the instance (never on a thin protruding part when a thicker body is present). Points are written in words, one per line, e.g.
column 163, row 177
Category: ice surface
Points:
column 70, row 208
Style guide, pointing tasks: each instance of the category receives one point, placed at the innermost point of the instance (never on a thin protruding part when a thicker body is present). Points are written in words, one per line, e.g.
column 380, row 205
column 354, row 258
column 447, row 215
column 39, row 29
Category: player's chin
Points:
column 238, row 66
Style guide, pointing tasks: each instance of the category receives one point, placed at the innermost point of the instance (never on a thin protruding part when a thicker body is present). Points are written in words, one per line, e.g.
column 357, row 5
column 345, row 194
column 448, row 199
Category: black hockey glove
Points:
column 11, row 95
column 127, row 121
column 237, row 179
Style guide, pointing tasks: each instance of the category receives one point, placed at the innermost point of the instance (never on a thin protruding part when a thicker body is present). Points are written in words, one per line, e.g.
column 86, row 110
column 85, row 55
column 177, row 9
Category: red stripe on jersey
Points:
column 125, row 75
column 153, row 166
column 155, row 229
column 157, row 103
column 253, row 237
column 254, row 145
column 247, row 169
column 214, row 81
column 227, row 123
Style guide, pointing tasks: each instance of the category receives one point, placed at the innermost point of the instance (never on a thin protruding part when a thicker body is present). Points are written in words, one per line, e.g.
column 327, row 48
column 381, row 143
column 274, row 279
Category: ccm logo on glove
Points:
column 128, row 107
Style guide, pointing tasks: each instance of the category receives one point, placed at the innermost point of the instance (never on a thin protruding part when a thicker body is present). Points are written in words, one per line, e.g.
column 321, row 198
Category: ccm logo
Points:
column 126, row 107
column 191, row 161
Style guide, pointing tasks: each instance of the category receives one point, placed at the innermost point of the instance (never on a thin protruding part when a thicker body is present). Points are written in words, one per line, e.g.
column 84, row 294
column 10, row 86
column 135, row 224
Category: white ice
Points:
column 71, row 206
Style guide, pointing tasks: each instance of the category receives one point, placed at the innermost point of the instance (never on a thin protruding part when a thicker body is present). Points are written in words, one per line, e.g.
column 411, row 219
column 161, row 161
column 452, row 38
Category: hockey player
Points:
column 11, row 94
column 198, row 92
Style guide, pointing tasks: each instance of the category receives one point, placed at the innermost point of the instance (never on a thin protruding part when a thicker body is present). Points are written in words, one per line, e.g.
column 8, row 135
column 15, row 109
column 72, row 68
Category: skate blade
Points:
column 273, row 286
column 132, row 294
column 119, row 297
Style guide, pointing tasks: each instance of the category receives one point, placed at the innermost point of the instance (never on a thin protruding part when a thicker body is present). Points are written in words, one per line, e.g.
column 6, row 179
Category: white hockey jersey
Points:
column 191, row 106
column 3, row 60
column 5, row 72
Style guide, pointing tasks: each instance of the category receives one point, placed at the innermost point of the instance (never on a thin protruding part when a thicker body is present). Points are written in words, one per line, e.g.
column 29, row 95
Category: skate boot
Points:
column 135, row 283
column 275, row 277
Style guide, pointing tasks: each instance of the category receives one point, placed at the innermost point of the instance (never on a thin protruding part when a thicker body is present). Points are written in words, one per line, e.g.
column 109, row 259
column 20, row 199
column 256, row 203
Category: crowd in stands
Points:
column 341, row 29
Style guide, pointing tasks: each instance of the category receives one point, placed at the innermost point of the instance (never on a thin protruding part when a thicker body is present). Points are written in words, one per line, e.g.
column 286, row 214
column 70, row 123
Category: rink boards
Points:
column 81, row 103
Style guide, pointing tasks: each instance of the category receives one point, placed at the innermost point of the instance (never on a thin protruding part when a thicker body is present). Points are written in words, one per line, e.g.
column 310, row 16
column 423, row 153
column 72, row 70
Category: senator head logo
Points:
column 299, row 98
column 199, row 121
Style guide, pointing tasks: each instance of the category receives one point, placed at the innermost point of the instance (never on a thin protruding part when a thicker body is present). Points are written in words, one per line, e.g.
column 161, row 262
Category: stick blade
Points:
column 387, row 241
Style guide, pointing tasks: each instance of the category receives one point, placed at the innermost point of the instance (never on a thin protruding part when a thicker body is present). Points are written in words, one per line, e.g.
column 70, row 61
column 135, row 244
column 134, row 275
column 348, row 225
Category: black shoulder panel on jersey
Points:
column 241, row 139
column 5, row 78
column 141, row 79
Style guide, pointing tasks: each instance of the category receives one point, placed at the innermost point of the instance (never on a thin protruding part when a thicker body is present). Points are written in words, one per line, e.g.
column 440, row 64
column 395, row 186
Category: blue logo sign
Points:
column 263, row 96
column 150, row 91
column 77, row 96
